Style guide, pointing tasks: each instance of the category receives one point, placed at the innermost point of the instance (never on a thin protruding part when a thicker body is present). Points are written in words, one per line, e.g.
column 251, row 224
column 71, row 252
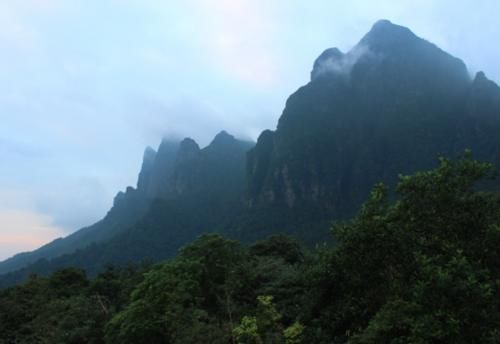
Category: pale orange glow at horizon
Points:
column 23, row 230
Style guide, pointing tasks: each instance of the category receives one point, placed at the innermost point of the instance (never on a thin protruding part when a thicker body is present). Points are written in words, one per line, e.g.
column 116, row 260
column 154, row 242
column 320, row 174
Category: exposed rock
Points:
column 148, row 162
column 390, row 105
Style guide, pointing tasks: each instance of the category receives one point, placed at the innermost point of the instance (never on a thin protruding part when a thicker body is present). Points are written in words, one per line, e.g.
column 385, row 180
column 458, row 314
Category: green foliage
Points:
column 248, row 331
column 293, row 333
column 419, row 267
column 266, row 326
column 422, row 269
column 268, row 320
column 279, row 246
column 64, row 308
column 180, row 301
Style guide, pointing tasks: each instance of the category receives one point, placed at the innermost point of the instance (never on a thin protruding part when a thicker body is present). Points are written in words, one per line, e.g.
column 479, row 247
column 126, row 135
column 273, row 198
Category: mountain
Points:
column 128, row 207
column 390, row 105
column 180, row 174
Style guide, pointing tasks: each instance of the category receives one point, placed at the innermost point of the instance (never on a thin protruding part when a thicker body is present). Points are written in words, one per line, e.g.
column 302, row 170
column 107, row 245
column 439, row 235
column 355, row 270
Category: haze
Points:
column 87, row 85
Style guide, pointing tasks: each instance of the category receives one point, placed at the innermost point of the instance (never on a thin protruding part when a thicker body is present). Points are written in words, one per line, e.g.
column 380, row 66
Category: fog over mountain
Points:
column 87, row 85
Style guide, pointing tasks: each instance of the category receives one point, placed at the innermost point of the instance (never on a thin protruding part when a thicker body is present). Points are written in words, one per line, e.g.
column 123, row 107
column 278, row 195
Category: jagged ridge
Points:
column 179, row 171
column 388, row 106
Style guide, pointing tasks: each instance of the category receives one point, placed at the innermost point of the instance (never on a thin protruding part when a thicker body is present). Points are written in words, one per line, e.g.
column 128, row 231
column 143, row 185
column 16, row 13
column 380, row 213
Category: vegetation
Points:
column 422, row 268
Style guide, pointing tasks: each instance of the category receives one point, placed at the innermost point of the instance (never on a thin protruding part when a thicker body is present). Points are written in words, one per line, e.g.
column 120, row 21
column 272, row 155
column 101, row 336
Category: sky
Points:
column 86, row 85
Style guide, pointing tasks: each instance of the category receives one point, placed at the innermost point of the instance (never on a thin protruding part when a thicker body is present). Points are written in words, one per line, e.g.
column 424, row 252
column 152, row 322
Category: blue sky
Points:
column 87, row 84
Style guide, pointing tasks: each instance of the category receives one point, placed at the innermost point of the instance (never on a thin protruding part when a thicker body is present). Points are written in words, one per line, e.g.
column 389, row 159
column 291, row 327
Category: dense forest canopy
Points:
column 422, row 266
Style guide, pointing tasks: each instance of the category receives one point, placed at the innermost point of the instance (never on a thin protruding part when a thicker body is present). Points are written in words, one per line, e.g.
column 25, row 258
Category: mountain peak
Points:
column 149, row 154
column 168, row 141
column 480, row 76
column 385, row 24
column 385, row 34
column 392, row 54
column 328, row 59
column 222, row 138
column 485, row 88
column 167, row 147
column 384, row 39
column 188, row 144
column 148, row 162
column 382, row 23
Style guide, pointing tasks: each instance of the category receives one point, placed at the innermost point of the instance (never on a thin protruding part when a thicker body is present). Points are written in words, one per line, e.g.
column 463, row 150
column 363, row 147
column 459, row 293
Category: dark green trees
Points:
column 202, row 295
column 64, row 308
column 424, row 269
column 188, row 300
column 419, row 266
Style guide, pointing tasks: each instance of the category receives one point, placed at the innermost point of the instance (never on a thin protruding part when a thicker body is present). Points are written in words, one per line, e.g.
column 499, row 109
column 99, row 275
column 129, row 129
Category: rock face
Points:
column 179, row 172
column 184, row 171
column 388, row 106
column 162, row 168
column 148, row 162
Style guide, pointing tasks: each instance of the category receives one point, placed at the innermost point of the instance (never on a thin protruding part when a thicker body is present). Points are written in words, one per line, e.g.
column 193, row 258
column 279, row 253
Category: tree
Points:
column 188, row 299
column 266, row 326
column 421, row 269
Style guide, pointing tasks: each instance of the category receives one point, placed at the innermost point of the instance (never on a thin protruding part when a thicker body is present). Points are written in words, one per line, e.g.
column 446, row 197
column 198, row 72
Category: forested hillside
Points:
column 421, row 268
column 181, row 191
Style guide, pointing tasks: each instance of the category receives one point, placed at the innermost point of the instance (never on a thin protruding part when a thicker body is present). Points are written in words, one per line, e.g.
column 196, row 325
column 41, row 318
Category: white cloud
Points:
column 343, row 64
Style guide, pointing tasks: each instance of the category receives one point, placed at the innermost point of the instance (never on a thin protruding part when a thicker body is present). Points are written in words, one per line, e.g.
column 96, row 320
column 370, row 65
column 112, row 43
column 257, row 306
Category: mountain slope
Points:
column 388, row 106
column 180, row 173
column 128, row 207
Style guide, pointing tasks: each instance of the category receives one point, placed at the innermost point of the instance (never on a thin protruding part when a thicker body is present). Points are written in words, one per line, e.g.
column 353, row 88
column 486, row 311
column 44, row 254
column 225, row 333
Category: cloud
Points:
column 182, row 117
column 342, row 64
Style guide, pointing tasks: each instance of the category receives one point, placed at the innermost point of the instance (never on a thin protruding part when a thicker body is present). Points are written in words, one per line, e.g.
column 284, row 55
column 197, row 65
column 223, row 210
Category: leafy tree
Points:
column 420, row 266
column 293, row 333
column 422, row 269
column 247, row 332
column 279, row 246
column 187, row 299
column 266, row 326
